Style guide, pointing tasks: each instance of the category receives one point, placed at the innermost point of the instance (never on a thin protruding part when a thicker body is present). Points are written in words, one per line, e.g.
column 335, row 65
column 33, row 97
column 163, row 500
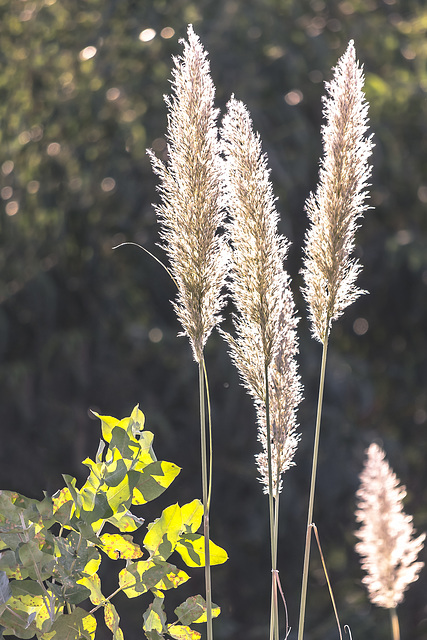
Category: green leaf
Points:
column 155, row 620
column 191, row 547
column 63, row 506
column 28, row 592
column 18, row 620
column 115, row 472
column 152, row 480
column 77, row 625
column 93, row 584
column 136, row 421
column 139, row 577
column 146, row 453
column 38, row 564
column 75, row 557
column 180, row 632
column 194, row 610
column 125, row 521
column 71, row 486
column 112, row 620
column 5, row 592
column 125, row 443
column 10, row 565
column 119, row 496
column 163, row 533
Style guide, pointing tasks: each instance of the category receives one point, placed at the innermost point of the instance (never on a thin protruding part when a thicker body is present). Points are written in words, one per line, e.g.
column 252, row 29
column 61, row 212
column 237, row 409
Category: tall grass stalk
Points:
column 334, row 210
column 206, row 459
column 265, row 344
column 395, row 629
column 274, row 614
column 191, row 213
column 312, row 492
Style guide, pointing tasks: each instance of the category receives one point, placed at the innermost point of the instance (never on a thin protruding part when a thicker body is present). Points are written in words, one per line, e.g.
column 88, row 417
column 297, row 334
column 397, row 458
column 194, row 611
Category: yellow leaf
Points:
column 120, row 547
column 112, row 621
column 93, row 583
column 180, row 632
column 192, row 514
column 92, row 566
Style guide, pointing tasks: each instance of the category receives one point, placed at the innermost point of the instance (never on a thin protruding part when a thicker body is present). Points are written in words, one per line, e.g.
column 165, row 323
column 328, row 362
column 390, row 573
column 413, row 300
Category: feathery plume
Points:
column 387, row 547
column 339, row 201
column 191, row 195
column 265, row 322
column 285, row 396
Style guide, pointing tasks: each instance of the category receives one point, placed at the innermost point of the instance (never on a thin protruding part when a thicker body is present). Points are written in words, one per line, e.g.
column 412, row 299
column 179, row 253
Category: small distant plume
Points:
column 339, row 202
column 387, row 547
column 265, row 322
column 191, row 193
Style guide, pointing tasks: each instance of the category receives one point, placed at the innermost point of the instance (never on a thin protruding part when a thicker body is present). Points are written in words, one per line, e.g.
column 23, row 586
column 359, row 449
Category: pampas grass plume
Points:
column 191, row 196
column 265, row 320
column 387, row 545
column 339, row 202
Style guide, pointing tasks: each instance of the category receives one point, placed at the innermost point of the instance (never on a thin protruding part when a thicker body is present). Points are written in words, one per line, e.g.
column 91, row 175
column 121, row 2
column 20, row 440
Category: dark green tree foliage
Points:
column 82, row 326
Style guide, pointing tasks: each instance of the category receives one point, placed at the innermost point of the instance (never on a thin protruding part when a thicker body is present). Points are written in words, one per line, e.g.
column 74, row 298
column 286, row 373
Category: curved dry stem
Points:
column 325, row 571
column 135, row 244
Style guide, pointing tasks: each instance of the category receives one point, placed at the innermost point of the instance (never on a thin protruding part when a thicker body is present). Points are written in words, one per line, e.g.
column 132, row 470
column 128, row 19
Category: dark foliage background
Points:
column 83, row 326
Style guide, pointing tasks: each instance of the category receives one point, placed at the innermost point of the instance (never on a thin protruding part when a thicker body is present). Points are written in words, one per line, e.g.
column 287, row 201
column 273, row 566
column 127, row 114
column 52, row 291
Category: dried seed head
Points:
column 285, row 394
column 265, row 320
column 339, row 202
column 191, row 196
column 387, row 547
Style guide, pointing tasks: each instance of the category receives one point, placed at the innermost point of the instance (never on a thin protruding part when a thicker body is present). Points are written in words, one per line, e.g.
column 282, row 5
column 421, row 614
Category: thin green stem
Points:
column 208, row 404
column 274, row 567
column 312, row 491
column 206, row 498
column 274, row 618
column 395, row 624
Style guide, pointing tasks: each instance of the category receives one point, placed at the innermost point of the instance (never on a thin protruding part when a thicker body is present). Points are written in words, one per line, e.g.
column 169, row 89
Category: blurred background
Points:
column 83, row 326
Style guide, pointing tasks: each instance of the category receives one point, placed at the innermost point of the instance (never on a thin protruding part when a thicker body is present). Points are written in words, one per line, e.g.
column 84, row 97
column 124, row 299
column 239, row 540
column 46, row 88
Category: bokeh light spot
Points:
column 293, row 97
column 53, row 149
column 360, row 326
column 146, row 35
column 6, row 193
column 24, row 137
column 167, row 33
column 113, row 94
column 7, row 167
column 108, row 184
column 33, row 186
column 12, row 207
column 159, row 144
column 155, row 334
column 422, row 193
column 87, row 53
column 404, row 237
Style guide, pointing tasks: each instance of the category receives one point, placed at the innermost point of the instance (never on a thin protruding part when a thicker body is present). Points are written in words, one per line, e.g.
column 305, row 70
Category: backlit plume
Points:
column 339, row 202
column 265, row 321
column 387, row 547
column 191, row 195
